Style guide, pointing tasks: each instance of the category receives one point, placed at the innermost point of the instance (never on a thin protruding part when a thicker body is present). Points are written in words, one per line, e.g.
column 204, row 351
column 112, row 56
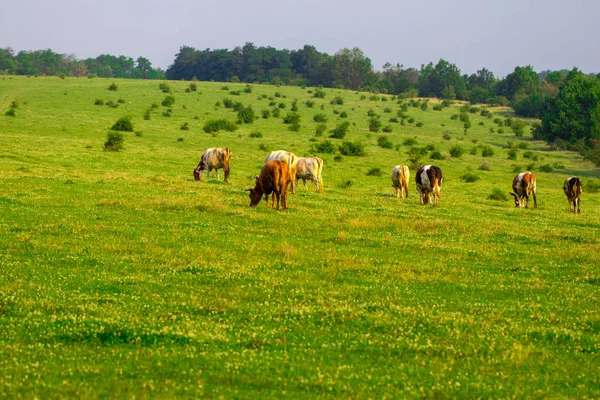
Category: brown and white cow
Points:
column 274, row 178
column 292, row 161
column 572, row 188
column 400, row 176
column 429, row 181
column 310, row 168
column 524, row 186
column 213, row 158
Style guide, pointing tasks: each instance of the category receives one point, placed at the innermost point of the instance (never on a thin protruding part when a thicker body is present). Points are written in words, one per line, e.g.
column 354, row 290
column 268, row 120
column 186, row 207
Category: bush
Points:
column 394, row 119
column 338, row 158
column 436, row 155
column 228, row 103
column 446, row 135
column 294, row 126
column 10, row 113
column 256, row 134
column 424, row 106
column 168, row 101
column 246, row 115
column 419, row 124
column 148, row 114
column 512, row 154
column 215, row 125
column 352, row 149
column 411, row 120
column 498, row 195
column 339, row 132
column 374, row 124
column 320, row 94
column 384, row 142
column 113, row 88
column 343, row 114
column 473, row 150
column 266, row 114
column 276, row 112
column 123, row 124
column 409, row 142
column 320, row 118
column 485, row 167
column 387, row 129
column 592, row 187
column 121, row 101
column 325, row 147
column 487, row 151
column 185, row 126
column 114, row 141
column 375, row 172
column 294, row 105
column 546, row 168
column 99, row 102
column 469, row 177
column 281, row 105
column 387, row 110
column 193, row 87
column 309, row 103
column 291, row 118
column 337, row 100
column 457, row 151
column 320, row 129
column 164, row 88
column 438, row 107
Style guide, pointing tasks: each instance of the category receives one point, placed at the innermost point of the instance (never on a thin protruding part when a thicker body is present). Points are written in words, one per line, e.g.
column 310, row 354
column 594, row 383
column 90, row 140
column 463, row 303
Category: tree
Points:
column 352, row 69
column 523, row 80
column 434, row 79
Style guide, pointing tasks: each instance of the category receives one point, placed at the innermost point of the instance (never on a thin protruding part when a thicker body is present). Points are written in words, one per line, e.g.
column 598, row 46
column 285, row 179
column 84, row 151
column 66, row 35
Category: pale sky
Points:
column 498, row 35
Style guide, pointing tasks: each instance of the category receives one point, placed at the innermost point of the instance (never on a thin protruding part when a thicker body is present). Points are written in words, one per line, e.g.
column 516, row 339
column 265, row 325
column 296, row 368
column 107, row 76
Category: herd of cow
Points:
column 283, row 168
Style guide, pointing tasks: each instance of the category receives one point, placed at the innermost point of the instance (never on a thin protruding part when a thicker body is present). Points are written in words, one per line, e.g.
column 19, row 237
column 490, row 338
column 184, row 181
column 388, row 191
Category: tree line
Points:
column 566, row 102
column 47, row 62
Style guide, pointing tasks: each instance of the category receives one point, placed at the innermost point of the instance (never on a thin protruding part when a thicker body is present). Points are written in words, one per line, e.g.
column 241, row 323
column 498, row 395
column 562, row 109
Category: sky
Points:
column 497, row 35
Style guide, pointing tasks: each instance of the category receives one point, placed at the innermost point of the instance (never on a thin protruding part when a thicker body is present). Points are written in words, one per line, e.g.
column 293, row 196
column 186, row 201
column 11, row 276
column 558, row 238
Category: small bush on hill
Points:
column 436, row 155
column 320, row 129
column 325, row 147
column 114, row 141
column 113, row 87
column 387, row 129
column 123, row 124
column 309, row 103
column 164, row 88
column 409, row 142
column 485, row 167
column 498, row 195
column 591, row 187
column 168, row 101
column 512, row 154
column 10, row 112
column 384, row 142
column 419, row 124
column 185, row 126
column 469, row 177
column 215, row 125
column 343, row 114
column 148, row 114
column 394, row 119
column 487, row 151
column 352, row 149
column 291, row 118
column 374, row 124
column 337, row 100
column 228, row 103
column 320, row 94
column 546, row 168
column 99, row 102
column 266, row 114
column 193, row 87
column 457, row 151
column 375, row 172
column 320, row 118
column 256, row 134
column 339, row 132
column 246, row 115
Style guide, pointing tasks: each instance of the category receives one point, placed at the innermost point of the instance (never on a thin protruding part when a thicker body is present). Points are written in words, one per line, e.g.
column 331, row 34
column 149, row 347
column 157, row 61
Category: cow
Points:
column 292, row 161
column 572, row 188
column 274, row 178
column 524, row 186
column 400, row 176
column 213, row 158
column 429, row 181
column 310, row 168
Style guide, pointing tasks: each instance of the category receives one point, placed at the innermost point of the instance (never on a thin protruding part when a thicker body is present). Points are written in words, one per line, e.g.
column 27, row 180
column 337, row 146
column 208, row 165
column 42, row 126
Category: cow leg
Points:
column 578, row 203
column 267, row 200
column 284, row 200
column 217, row 172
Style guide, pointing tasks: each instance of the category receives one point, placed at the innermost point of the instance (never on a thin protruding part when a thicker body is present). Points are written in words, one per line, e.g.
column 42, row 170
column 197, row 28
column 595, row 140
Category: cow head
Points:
column 517, row 204
column 255, row 197
column 196, row 174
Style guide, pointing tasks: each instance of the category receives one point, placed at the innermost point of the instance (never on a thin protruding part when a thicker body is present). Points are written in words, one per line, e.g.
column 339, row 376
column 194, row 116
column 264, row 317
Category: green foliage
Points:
column 339, row 132
column 485, row 167
column 469, row 177
column 10, row 112
column 165, row 88
column 498, row 195
column 246, row 115
column 320, row 129
column 436, row 155
column 355, row 148
column 148, row 114
column 375, row 172
column 291, row 118
column 185, row 126
column 487, row 151
column 387, row 129
column 384, row 142
column 256, row 134
column 425, row 106
column 114, row 141
column 457, row 151
column 99, row 102
column 309, row 103
column 325, row 147
column 512, row 154
column 113, row 87
column 168, row 101
column 546, row 168
column 193, row 87
column 343, row 114
column 319, row 94
column 374, row 124
column 591, row 186
column 337, row 100
column 320, row 118
column 419, row 124
column 266, row 114
column 123, row 124
column 215, row 125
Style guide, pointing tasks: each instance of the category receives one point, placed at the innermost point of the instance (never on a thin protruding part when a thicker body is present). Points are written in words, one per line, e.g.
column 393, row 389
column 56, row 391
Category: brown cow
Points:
column 572, row 189
column 213, row 158
column 429, row 181
column 400, row 176
column 274, row 178
column 292, row 161
column 524, row 186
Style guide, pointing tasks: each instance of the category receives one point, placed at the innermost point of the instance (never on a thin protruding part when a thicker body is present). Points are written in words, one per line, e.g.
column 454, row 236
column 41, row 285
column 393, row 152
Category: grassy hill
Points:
column 120, row 276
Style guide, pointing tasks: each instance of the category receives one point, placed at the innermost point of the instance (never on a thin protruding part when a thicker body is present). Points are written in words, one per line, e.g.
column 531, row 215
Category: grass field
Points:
column 121, row 277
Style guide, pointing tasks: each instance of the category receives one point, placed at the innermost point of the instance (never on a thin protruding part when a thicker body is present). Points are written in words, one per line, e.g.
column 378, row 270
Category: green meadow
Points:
column 122, row 277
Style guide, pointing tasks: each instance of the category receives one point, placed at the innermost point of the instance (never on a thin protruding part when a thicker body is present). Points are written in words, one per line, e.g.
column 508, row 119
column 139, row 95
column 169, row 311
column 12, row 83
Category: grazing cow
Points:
column 292, row 161
column 213, row 158
column 400, row 175
column 524, row 186
column 310, row 168
column 572, row 188
column 274, row 178
column 429, row 181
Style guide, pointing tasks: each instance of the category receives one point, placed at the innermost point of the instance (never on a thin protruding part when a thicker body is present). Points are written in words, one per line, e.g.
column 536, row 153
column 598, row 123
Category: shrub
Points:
column 123, row 124
column 320, row 118
column 487, row 151
column 266, row 114
column 164, row 88
column 457, row 151
column 225, row 87
column 343, row 114
column 375, row 172
column 419, row 124
column 371, row 113
column 215, row 125
column 473, row 150
column 256, row 134
column 10, row 113
column 409, row 142
column 248, row 88
column 291, row 118
column 446, row 135
column 528, row 154
column 320, row 129
column 394, row 119
column 121, row 101
column 374, row 124
column 193, row 87
column 276, row 112
column 411, row 120
column 384, row 142
column 337, row 100
column 114, row 141
column 99, row 102
column 500, row 130
column 338, row 158
column 485, row 167
column 424, row 106
column 454, row 117
column 263, row 147
column 246, row 115
column 320, row 94
column 185, row 126
column 228, row 103
column 436, row 155
column 309, row 103
column 438, row 107
column 387, row 128
column 523, row 145
column 113, row 87
column 336, row 112
column 168, row 101
column 148, row 114
column 325, row 147
column 592, row 187
column 469, row 177
column 498, row 195
column 387, row 110
column 281, row 105
column 546, row 168
column 112, row 104
column 352, row 149
column 294, row 126
column 294, row 105
column 339, row 132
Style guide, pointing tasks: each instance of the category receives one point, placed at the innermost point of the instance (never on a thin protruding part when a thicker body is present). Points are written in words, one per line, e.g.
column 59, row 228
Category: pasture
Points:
column 121, row 277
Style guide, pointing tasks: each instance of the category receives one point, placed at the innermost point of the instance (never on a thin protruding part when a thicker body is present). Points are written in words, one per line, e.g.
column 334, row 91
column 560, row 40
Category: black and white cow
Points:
column 429, row 181
column 572, row 188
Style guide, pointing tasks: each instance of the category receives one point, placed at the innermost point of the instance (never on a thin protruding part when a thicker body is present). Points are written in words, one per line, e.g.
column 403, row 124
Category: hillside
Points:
column 121, row 276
